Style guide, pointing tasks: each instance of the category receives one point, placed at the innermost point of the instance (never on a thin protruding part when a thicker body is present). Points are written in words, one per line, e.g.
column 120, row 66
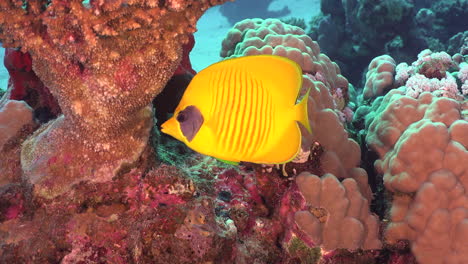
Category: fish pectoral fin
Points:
column 228, row 161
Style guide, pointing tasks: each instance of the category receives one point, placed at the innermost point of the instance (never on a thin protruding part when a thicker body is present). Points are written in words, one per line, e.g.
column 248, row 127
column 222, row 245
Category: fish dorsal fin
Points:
column 280, row 75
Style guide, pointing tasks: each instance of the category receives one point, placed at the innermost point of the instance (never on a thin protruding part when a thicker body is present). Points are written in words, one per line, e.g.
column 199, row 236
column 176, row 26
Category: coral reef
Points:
column 104, row 62
column 196, row 209
column 435, row 72
column 354, row 32
column 16, row 123
column 167, row 101
column 418, row 130
column 338, row 214
column 328, row 147
column 101, row 184
column 458, row 43
column 429, row 73
column 24, row 84
column 9, row 127
column 419, row 174
column 379, row 76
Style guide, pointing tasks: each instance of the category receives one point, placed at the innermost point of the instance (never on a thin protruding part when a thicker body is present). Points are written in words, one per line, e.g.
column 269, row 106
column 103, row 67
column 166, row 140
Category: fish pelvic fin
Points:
column 301, row 111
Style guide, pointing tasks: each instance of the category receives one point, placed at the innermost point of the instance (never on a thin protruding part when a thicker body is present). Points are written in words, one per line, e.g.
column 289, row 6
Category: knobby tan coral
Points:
column 338, row 214
column 422, row 147
column 331, row 203
column 379, row 76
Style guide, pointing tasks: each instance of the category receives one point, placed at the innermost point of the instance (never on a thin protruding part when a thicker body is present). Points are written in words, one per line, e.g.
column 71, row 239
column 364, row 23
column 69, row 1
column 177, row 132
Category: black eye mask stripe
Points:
column 190, row 120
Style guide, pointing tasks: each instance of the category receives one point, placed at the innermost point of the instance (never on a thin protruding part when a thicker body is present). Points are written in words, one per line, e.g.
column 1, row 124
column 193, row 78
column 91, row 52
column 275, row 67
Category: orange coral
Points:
column 104, row 60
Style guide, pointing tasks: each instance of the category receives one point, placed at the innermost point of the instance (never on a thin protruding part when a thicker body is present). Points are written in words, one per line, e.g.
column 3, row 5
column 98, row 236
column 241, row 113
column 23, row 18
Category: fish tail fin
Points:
column 301, row 111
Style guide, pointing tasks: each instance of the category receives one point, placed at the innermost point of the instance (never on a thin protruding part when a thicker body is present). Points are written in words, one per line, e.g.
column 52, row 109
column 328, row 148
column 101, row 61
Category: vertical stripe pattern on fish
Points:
column 243, row 109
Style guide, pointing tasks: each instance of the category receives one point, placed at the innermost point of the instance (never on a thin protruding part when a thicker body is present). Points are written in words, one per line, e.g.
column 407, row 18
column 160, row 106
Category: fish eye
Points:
column 181, row 117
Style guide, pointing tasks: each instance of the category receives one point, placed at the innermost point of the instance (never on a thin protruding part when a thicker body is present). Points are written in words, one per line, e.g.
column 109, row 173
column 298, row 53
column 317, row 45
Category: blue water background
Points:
column 3, row 72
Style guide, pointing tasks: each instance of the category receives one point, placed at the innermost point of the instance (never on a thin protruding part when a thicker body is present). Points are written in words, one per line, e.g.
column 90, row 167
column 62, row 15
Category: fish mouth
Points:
column 169, row 127
column 164, row 128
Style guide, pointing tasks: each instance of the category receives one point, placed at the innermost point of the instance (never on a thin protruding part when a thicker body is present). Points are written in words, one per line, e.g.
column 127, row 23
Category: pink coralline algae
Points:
column 430, row 73
column 463, row 77
column 12, row 203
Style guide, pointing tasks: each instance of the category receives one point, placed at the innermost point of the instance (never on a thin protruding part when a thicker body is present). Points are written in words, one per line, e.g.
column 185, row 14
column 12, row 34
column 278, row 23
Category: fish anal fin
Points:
column 228, row 162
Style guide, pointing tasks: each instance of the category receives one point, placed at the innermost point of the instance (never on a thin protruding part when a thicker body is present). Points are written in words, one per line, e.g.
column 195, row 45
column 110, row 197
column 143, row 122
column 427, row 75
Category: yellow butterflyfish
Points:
column 243, row 109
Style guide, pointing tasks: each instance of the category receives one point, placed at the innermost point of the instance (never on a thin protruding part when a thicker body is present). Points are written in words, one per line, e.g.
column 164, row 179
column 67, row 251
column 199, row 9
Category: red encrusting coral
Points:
column 185, row 66
column 24, row 83
column 17, row 62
